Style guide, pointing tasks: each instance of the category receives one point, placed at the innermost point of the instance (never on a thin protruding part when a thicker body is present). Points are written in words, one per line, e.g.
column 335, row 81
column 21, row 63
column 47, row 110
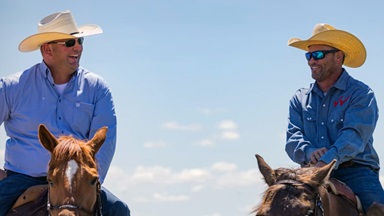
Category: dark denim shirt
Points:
column 343, row 121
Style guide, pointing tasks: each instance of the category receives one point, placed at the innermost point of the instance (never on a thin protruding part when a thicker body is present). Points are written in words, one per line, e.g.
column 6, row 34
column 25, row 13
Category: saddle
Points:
column 339, row 188
column 32, row 202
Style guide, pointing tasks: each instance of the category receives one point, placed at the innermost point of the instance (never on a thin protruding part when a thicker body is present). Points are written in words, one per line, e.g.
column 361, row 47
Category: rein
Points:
column 96, row 211
column 318, row 210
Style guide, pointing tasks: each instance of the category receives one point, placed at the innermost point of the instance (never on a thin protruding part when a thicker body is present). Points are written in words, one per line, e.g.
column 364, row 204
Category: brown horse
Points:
column 73, row 183
column 307, row 192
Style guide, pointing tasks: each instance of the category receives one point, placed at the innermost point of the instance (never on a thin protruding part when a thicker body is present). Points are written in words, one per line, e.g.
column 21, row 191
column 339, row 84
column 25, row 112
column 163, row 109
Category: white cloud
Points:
column 152, row 174
column 163, row 197
column 197, row 188
column 177, row 126
column 194, row 175
column 207, row 143
column 155, row 144
column 227, row 125
column 224, row 167
column 238, row 179
column 222, row 174
column 230, row 135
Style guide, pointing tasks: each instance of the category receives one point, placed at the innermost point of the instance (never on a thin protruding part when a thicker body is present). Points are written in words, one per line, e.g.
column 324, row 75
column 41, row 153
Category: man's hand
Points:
column 316, row 155
column 3, row 174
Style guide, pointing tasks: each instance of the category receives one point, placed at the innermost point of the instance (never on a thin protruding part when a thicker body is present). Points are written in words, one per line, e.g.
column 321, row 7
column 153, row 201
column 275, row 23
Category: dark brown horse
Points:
column 307, row 192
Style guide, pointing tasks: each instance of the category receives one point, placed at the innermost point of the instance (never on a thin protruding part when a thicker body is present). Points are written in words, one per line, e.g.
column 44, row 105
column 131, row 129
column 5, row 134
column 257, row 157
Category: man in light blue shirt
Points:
column 66, row 98
column 336, row 116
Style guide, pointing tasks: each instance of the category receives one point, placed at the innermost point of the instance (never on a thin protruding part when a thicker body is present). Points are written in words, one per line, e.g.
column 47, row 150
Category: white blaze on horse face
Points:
column 72, row 167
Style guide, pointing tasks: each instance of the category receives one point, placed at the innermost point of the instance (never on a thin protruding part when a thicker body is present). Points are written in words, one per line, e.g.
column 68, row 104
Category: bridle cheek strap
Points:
column 96, row 211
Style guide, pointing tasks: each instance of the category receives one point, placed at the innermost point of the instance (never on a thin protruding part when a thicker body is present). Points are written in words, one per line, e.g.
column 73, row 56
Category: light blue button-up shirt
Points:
column 30, row 98
column 343, row 121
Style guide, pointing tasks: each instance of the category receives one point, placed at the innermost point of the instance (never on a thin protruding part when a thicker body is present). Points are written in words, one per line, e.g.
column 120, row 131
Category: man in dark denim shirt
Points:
column 336, row 116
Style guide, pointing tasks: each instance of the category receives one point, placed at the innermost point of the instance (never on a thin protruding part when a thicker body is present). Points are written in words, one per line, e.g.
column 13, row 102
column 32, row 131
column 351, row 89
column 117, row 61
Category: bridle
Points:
column 318, row 209
column 96, row 211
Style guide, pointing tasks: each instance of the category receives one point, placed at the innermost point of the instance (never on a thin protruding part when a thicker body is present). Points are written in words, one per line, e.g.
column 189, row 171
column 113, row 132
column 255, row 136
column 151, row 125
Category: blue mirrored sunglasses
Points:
column 320, row 54
column 70, row 42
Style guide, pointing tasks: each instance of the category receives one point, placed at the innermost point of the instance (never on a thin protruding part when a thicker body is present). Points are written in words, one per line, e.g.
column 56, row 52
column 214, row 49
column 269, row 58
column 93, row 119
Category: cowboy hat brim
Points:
column 34, row 42
column 353, row 48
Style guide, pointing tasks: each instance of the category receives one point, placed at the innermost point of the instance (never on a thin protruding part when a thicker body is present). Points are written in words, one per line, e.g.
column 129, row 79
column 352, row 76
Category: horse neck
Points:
column 334, row 205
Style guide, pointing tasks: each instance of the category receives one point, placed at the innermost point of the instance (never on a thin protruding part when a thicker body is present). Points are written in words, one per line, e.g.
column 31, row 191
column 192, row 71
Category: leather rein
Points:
column 318, row 209
column 96, row 211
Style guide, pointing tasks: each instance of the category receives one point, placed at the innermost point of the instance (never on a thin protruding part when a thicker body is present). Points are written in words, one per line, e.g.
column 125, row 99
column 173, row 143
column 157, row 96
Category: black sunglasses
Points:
column 70, row 42
column 320, row 54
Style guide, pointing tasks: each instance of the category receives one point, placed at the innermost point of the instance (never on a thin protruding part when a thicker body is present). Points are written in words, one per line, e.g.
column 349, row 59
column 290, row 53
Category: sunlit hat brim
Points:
column 353, row 48
column 34, row 42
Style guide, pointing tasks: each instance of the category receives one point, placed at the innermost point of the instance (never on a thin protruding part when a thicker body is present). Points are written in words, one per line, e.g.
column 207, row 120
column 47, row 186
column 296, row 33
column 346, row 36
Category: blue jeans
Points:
column 364, row 182
column 16, row 183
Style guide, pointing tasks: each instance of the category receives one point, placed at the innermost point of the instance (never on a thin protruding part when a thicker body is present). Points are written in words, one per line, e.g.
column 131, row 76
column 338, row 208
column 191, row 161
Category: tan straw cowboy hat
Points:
column 325, row 34
column 57, row 26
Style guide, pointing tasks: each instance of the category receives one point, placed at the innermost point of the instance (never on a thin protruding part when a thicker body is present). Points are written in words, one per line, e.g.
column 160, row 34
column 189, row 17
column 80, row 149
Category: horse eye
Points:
column 94, row 181
column 50, row 183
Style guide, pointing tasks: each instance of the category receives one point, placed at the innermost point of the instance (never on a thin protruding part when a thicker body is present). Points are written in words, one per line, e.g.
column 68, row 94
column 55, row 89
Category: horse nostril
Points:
column 309, row 213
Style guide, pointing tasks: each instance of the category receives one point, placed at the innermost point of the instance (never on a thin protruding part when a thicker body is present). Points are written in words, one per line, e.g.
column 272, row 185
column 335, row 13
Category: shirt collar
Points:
column 44, row 70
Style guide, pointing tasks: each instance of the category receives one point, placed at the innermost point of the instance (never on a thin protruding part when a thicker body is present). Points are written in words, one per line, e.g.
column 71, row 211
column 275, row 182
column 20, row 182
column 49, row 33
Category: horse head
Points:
column 73, row 183
column 292, row 192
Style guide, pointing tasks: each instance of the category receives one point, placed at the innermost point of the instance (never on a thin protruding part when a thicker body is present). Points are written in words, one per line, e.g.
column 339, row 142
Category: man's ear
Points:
column 46, row 49
column 340, row 56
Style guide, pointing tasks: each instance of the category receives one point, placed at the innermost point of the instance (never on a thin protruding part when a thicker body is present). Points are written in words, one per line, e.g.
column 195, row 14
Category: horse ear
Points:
column 266, row 170
column 98, row 139
column 323, row 173
column 47, row 140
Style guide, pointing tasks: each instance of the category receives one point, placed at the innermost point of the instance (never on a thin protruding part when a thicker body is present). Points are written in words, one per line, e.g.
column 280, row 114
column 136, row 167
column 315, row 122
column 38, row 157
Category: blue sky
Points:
column 199, row 87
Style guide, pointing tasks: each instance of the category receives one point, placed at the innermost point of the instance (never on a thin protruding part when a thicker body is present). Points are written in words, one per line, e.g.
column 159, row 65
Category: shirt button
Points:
column 323, row 105
column 322, row 137
column 322, row 123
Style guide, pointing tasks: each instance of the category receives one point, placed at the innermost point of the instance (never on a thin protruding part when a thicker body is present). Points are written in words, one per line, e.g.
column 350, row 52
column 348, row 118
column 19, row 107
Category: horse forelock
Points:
column 289, row 199
column 70, row 148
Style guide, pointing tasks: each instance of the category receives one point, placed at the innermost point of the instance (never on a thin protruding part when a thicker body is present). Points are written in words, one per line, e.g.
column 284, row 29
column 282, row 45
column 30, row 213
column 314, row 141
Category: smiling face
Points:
column 68, row 58
column 62, row 60
column 327, row 70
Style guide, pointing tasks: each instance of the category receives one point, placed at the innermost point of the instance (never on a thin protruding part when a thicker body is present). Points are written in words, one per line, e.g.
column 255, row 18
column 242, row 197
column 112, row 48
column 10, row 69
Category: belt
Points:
column 10, row 172
column 351, row 164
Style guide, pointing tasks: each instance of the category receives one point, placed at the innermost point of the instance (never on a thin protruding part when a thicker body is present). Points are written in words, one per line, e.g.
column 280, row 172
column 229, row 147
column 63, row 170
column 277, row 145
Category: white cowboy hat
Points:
column 57, row 26
column 325, row 34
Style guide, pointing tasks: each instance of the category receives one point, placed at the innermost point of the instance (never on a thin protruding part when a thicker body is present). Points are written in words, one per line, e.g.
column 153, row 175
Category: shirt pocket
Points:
column 336, row 120
column 82, row 117
column 309, row 121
